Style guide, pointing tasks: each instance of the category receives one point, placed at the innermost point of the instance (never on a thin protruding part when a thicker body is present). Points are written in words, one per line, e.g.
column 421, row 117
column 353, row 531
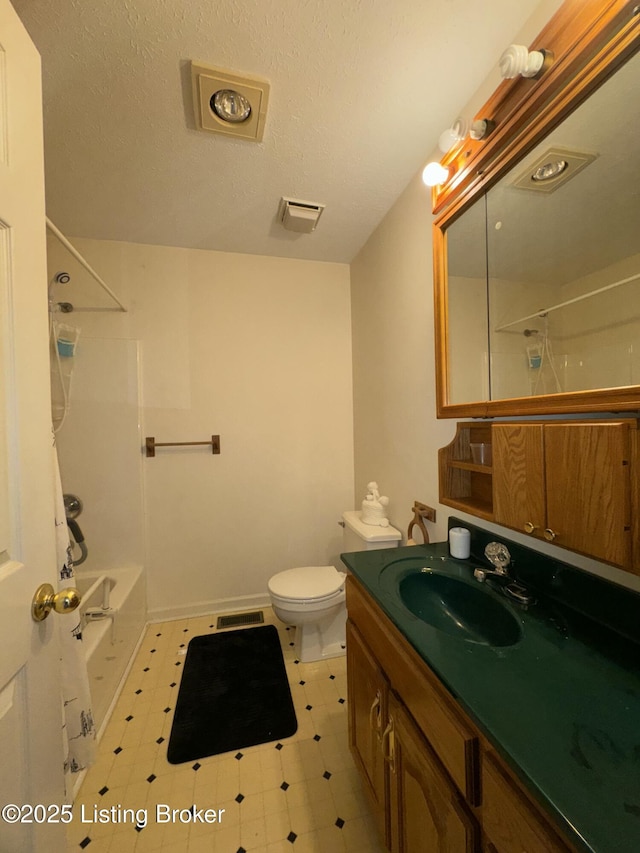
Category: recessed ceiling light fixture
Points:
column 229, row 103
column 548, row 171
column 552, row 169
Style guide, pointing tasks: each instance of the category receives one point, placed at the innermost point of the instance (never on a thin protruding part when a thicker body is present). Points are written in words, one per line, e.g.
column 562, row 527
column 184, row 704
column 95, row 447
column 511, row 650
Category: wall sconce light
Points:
column 481, row 127
column 434, row 174
column 452, row 135
column 478, row 129
column 517, row 59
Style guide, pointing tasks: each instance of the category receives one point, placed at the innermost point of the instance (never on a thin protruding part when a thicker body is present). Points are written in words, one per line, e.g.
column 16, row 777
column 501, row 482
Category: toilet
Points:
column 313, row 597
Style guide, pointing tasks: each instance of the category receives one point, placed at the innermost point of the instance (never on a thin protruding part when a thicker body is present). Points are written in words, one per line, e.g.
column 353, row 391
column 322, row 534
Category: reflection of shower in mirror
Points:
column 542, row 366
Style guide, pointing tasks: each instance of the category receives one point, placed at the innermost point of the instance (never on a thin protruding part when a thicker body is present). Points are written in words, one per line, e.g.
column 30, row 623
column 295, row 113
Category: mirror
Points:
column 540, row 285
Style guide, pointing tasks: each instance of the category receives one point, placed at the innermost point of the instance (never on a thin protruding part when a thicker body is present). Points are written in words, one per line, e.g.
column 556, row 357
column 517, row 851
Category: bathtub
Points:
column 110, row 636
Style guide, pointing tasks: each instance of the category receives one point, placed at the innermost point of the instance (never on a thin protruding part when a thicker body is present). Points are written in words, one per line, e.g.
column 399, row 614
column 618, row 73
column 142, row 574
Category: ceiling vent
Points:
column 301, row 216
column 552, row 169
column 229, row 103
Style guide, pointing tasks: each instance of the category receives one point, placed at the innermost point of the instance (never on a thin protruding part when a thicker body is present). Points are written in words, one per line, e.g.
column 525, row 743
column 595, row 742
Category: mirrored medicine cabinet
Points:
column 537, row 252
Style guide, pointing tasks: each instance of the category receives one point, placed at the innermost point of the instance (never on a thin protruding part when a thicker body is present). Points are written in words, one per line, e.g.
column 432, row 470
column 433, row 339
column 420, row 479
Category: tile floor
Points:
column 300, row 795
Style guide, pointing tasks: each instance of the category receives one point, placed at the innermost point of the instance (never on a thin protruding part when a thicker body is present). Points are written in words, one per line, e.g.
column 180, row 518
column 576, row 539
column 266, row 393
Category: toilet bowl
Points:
column 313, row 599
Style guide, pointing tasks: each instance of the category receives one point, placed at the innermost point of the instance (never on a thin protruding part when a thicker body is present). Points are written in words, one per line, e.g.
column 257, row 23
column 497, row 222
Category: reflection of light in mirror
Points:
column 549, row 170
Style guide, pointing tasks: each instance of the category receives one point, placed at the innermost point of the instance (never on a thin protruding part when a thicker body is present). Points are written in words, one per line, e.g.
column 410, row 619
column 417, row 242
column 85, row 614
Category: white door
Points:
column 31, row 751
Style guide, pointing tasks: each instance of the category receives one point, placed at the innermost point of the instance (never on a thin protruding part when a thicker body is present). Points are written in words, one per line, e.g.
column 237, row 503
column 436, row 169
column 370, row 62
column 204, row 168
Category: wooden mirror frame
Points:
column 584, row 44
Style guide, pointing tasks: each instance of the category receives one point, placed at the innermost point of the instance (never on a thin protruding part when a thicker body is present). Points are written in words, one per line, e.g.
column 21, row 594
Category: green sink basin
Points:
column 460, row 609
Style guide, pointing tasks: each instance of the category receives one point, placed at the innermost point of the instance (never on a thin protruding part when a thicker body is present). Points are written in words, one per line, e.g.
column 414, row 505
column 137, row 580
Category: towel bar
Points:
column 151, row 444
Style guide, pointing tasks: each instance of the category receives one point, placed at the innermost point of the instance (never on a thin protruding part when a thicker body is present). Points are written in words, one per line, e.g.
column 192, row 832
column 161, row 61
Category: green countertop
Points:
column 561, row 705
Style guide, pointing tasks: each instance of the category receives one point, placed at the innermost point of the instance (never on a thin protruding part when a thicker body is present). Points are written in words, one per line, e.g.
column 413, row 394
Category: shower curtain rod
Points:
column 76, row 254
column 544, row 311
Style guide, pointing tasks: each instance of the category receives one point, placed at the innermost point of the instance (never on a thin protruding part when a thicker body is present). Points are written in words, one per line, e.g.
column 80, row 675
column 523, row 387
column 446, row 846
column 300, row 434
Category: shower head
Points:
column 72, row 509
column 64, row 307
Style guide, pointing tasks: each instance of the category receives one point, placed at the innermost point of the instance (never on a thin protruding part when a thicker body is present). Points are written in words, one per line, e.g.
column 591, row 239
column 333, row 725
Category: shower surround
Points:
column 254, row 349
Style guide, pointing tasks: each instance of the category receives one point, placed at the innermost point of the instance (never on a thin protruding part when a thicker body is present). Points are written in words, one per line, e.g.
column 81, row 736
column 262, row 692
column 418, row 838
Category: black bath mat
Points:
column 234, row 693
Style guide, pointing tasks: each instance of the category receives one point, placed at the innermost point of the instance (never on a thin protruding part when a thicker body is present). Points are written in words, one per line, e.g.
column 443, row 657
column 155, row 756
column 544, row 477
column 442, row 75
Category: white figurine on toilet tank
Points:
column 374, row 507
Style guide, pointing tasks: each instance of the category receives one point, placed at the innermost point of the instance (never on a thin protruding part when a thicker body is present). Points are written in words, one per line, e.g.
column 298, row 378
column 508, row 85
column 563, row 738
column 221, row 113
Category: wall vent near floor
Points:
column 234, row 620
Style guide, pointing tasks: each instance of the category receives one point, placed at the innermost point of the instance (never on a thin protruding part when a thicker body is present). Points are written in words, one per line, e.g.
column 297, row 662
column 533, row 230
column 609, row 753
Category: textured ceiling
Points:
column 360, row 92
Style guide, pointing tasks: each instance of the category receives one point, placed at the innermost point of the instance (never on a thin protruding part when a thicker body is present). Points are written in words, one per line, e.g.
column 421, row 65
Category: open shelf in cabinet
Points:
column 465, row 484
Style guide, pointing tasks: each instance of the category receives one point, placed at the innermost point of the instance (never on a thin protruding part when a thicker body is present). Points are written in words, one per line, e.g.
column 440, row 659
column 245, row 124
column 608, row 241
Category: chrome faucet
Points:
column 499, row 557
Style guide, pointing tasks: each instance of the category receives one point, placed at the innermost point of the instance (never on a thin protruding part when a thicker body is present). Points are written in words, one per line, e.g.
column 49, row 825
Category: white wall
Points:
column 257, row 350
column 396, row 432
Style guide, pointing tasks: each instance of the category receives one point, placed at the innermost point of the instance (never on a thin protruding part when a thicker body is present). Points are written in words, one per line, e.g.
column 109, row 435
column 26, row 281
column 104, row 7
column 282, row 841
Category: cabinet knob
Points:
column 549, row 534
column 529, row 527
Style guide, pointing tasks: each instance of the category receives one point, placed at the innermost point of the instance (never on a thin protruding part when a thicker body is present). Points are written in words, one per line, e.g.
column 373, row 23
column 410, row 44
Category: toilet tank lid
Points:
column 370, row 532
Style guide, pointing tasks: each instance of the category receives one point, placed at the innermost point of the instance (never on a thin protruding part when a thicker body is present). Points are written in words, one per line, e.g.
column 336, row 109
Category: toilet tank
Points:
column 359, row 536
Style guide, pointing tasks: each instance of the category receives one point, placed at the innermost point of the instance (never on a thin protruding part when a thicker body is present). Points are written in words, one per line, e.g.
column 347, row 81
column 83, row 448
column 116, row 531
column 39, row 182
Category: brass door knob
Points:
column 550, row 535
column 529, row 527
column 47, row 599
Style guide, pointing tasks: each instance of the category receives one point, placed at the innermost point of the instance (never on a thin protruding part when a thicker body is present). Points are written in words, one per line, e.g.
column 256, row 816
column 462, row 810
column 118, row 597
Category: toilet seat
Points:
column 307, row 583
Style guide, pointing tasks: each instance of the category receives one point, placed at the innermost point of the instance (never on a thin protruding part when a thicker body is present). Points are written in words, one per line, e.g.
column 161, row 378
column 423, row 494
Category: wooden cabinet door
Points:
column 588, row 489
column 509, row 820
column 519, row 477
column 568, row 483
column 426, row 810
column 368, row 694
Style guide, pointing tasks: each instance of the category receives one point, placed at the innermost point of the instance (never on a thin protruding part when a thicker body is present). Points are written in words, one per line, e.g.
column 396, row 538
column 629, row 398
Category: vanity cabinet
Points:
column 415, row 805
column 433, row 780
column 425, row 809
column 368, row 713
column 508, row 820
column 568, row 482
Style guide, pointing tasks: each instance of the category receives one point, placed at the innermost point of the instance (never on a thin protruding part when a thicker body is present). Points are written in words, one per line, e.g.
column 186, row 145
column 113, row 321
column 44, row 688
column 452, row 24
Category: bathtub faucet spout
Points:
column 106, row 592
column 94, row 614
